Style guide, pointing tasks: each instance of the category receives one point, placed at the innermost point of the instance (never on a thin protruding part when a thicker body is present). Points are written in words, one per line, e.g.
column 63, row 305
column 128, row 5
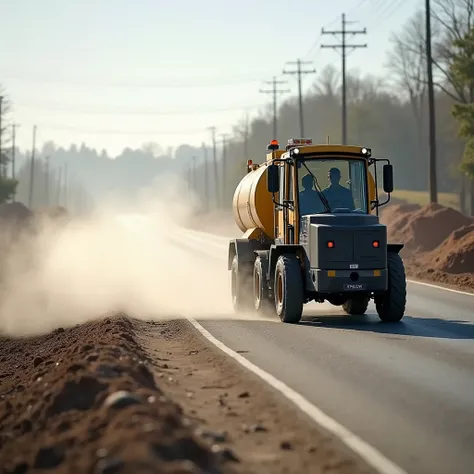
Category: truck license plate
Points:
column 354, row 287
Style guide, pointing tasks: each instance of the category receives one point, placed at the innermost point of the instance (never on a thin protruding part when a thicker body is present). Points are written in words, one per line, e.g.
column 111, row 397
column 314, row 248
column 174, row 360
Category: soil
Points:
column 14, row 211
column 56, row 410
column 439, row 243
column 422, row 229
column 118, row 395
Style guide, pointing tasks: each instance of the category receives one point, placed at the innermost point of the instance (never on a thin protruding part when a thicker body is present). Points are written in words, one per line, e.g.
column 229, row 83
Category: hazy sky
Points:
column 114, row 73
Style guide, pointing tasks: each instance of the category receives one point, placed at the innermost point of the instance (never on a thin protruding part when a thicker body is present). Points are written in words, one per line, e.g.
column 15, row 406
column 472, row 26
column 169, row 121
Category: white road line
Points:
column 367, row 452
column 431, row 285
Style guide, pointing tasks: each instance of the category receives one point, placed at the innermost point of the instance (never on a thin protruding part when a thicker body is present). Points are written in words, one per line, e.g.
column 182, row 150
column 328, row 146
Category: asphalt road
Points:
column 407, row 388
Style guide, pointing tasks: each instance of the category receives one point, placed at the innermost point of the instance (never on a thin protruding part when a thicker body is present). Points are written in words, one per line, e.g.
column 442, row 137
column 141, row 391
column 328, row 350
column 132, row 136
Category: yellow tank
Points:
column 252, row 204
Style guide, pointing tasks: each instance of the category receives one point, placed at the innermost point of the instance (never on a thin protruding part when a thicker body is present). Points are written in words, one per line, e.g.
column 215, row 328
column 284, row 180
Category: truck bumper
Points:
column 348, row 281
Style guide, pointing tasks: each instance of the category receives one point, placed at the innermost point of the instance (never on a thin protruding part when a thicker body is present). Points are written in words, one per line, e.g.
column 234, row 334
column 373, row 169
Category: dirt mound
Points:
column 393, row 214
column 423, row 229
column 55, row 212
column 14, row 211
column 456, row 254
column 84, row 399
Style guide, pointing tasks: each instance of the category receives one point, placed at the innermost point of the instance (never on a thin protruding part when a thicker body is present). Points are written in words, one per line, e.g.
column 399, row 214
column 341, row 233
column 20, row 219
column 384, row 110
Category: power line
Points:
column 129, row 111
column 173, row 84
column 386, row 12
column 344, row 47
column 121, row 132
column 275, row 91
column 299, row 72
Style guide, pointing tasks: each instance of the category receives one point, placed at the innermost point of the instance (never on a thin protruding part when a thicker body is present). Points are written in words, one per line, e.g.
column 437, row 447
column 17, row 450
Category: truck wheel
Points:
column 391, row 306
column 356, row 306
column 241, row 286
column 262, row 302
column 288, row 289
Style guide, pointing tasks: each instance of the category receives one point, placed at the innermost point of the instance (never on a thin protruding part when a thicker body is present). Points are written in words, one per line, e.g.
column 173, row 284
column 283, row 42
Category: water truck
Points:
column 302, row 242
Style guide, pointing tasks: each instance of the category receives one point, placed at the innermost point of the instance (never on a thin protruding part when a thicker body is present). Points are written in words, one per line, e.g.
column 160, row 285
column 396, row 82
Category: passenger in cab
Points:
column 309, row 199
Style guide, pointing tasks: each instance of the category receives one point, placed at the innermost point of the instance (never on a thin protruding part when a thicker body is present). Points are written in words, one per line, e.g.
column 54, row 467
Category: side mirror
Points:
column 273, row 178
column 388, row 179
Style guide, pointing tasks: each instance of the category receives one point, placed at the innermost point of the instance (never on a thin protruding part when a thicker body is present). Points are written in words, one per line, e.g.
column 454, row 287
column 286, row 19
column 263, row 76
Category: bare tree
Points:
column 5, row 111
column 153, row 149
column 329, row 82
column 407, row 65
column 363, row 89
column 454, row 18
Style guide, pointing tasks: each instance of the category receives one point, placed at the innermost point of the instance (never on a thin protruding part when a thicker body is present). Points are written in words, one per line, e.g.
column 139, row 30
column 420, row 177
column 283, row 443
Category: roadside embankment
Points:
column 118, row 395
column 439, row 242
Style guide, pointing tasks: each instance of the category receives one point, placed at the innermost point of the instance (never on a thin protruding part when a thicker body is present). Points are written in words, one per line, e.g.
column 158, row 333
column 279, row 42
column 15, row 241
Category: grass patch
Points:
column 423, row 197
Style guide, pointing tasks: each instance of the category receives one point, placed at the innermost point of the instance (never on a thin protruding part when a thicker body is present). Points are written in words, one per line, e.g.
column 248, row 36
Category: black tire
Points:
column 241, row 287
column 356, row 306
column 262, row 302
column 391, row 306
column 288, row 289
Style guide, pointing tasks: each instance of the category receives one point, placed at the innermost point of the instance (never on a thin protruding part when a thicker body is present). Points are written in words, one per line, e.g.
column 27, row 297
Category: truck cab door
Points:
column 280, row 210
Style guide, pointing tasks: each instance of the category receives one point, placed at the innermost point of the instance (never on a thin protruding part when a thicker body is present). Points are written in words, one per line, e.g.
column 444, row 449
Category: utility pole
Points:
column 224, row 168
column 32, row 169
column 300, row 72
column 246, row 138
column 65, row 187
column 1, row 134
column 214, row 153
column 432, row 112
column 206, row 177
column 275, row 91
column 344, row 47
column 46, row 184
column 60, row 186
column 194, row 175
column 14, row 127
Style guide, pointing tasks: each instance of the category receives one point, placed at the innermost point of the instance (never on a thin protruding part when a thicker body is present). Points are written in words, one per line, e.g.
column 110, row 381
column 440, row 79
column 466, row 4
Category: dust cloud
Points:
column 131, row 257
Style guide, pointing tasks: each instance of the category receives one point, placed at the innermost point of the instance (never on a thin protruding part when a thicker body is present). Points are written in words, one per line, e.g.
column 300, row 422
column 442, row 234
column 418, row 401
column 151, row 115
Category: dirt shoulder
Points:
column 232, row 407
column 122, row 396
column 84, row 399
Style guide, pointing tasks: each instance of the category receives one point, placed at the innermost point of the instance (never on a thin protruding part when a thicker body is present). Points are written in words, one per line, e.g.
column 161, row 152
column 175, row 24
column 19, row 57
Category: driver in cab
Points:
column 338, row 196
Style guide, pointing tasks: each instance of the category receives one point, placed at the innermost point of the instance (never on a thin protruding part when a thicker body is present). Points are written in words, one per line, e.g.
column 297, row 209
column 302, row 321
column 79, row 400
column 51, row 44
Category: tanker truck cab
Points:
column 309, row 215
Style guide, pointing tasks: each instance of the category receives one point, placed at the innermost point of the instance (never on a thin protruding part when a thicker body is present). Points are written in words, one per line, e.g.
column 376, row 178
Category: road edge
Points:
column 364, row 450
column 439, row 287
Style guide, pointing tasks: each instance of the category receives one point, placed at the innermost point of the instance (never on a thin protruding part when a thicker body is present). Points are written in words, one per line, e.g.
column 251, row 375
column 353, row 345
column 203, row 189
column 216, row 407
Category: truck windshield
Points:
column 342, row 183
